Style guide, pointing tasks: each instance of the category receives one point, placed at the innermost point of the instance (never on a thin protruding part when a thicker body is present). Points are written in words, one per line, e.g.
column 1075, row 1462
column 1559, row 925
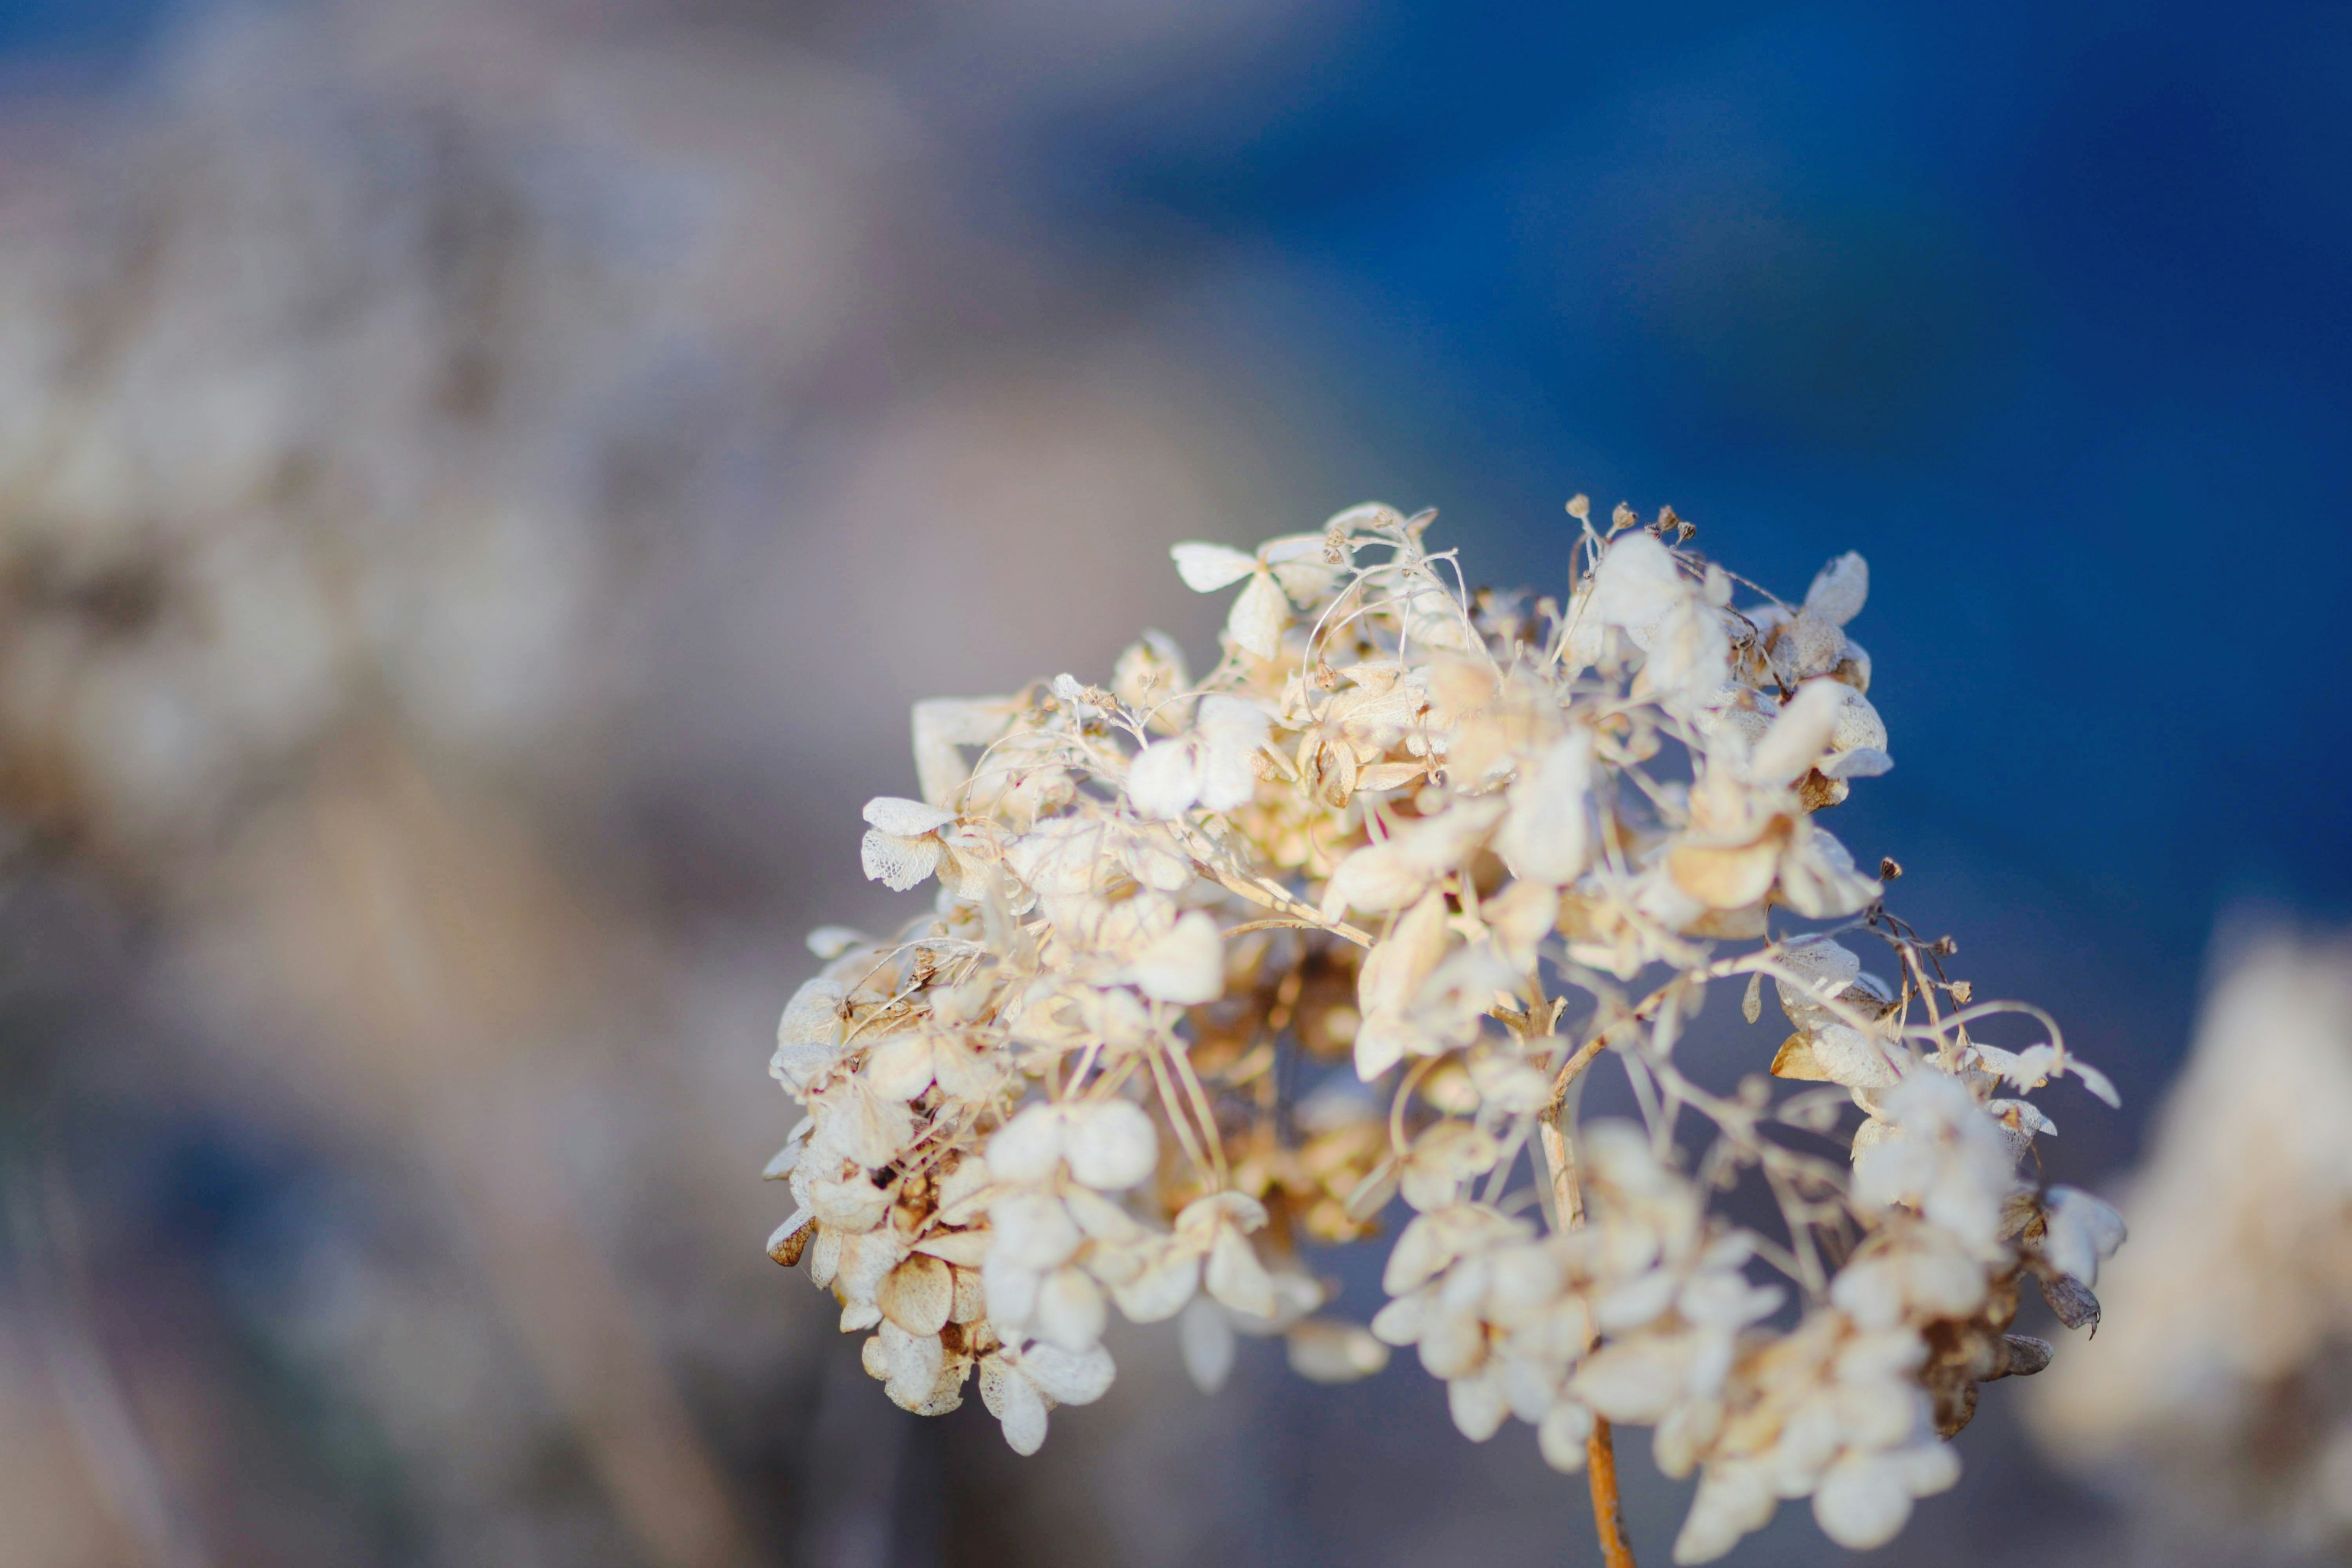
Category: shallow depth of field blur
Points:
column 481, row 484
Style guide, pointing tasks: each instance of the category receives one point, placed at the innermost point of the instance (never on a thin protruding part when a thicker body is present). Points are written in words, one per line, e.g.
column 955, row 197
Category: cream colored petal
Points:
column 1839, row 589
column 2082, row 1232
column 900, row 1068
column 1635, row 1380
column 1068, row 1377
column 1377, row 877
column 1112, row 1145
column 1547, row 836
column 1325, row 1350
column 1477, row 1406
column 1723, row 877
column 1069, row 1311
column 1560, row 1435
column 1205, row 1335
column 1016, row 1404
column 1236, row 1278
column 917, row 1294
column 1638, row 582
column 1800, row 736
column 1164, row 1282
column 1862, row 1503
column 1186, row 966
column 1032, row 1230
column 1164, row 779
column 1026, row 1149
column 903, row 818
column 899, row 863
column 1206, row 568
column 1258, row 617
column 966, row 1248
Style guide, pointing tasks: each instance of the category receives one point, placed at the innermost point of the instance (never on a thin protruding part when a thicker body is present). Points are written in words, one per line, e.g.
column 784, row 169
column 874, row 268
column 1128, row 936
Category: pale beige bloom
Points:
column 1214, row 966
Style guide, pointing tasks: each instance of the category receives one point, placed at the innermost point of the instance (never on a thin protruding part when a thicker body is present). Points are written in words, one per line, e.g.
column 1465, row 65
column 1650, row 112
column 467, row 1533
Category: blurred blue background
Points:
column 2042, row 308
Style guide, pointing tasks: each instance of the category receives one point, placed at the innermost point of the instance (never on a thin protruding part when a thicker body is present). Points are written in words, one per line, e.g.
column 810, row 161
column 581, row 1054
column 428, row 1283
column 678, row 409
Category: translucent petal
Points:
column 1638, row 582
column 1801, row 734
column 1723, row 877
column 1206, row 568
column 915, row 1296
column 899, row 863
column 1018, row 1405
column 1070, row 1377
column 1547, row 836
column 904, row 818
column 900, row 1068
column 1839, row 589
column 1258, row 617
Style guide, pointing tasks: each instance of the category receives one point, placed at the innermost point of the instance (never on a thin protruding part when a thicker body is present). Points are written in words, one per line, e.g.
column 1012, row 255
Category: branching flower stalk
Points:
column 1216, row 968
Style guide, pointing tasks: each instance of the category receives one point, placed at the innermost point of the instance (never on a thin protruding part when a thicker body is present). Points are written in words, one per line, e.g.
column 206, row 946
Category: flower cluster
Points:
column 1217, row 968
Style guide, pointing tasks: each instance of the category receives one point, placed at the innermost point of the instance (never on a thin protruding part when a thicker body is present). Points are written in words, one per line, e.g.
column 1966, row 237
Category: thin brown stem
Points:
column 1568, row 1207
column 1608, row 1518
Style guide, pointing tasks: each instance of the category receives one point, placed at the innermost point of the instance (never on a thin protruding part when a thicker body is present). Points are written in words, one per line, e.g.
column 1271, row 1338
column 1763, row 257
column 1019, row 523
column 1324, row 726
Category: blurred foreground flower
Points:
column 1217, row 968
column 2219, row 1402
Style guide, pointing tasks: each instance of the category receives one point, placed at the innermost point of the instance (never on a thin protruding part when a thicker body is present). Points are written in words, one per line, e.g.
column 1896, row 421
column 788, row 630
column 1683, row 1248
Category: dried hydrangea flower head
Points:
column 2219, row 1402
column 1216, row 968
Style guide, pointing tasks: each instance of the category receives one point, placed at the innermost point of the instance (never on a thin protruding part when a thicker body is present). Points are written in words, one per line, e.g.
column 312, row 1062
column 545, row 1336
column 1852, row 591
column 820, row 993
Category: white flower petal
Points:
column 1324, row 1350
column 1236, row 1278
column 1206, row 568
column 1205, row 1335
column 899, row 863
column 2083, row 1231
column 1111, row 1145
column 1839, row 589
column 1862, row 1503
column 1560, row 1435
column 1069, row 1312
column 904, row 818
column 1547, row 836
column 1186, row 966
column 1477, row 1406
column 1638, row 582
column 1164, row 779
column 1070, row 1377
column 1258, row 617
column 917, row 1294
column 1801, row 734
column 1017, row 1405
column 1025, row 1149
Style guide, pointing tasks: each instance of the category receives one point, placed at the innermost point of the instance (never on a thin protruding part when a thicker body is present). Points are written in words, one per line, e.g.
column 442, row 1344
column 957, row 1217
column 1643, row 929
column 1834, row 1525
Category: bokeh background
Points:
column 481, row 483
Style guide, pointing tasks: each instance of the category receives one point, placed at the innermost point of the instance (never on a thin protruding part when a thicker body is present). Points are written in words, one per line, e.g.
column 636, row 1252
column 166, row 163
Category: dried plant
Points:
column 1467, row 846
